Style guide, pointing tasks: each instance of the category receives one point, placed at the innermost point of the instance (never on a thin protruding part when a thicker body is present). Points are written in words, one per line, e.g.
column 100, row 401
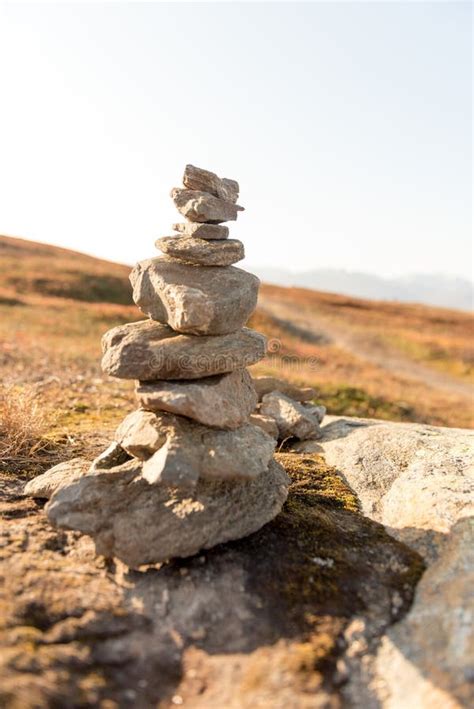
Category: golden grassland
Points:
column 56, row 304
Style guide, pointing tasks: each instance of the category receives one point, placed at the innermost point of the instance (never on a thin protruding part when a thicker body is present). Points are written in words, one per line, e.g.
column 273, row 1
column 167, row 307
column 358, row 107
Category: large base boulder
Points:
column 143, row 524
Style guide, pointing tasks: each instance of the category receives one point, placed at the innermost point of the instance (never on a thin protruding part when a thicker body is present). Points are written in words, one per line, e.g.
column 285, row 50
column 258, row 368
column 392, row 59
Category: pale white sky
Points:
column 348, row 126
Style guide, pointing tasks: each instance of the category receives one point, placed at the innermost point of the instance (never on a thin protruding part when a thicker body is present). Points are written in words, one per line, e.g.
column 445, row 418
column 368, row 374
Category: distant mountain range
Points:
column 431, row 289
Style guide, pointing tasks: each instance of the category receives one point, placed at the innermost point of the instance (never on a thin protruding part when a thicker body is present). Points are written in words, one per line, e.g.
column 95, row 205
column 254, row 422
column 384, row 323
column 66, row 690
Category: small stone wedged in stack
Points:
column 193, row 466
column 285, row 411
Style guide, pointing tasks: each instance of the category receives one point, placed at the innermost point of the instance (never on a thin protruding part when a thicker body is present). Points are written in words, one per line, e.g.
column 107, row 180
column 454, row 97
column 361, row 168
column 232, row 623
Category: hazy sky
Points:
column 348, row 126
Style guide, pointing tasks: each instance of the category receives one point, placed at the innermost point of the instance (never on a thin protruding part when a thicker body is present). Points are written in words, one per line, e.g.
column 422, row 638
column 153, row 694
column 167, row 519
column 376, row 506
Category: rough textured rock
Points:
column 266, row 423
column 112, row 456
column 225, row 401
column 138, row 524
column 256, row 622
column 202, row 231
column 418, row 481
column 200, row 206
column 202, row 252
column 427, row 660
column 199, row 301
column 44, row 485
column 179, row 451
column 148, row 351
column 195, row 178
column 265, row 385
column 407, row 476
column 293, row 420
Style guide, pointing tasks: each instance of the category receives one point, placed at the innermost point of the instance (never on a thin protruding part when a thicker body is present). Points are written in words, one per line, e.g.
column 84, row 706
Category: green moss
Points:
column 343, row 400
column 315, row 482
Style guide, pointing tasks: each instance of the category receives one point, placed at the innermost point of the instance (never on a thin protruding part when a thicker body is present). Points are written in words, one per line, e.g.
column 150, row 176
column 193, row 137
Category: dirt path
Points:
column 322, row 329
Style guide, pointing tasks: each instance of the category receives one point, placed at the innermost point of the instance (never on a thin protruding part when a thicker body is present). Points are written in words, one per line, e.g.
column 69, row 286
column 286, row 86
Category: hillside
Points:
column 368, row 358
column 432, row 289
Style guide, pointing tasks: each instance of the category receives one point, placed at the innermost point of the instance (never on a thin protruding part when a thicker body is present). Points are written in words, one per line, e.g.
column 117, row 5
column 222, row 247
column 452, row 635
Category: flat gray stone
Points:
column 293, row 420
column 147, row 350
column 200, row 300
column 143, row 524
column 202, row 231
column 265, row 385
column 202, row 252
column 43, row 486
column 198, row 206
column 195, row 178
column 179, row 451
column 225, row 401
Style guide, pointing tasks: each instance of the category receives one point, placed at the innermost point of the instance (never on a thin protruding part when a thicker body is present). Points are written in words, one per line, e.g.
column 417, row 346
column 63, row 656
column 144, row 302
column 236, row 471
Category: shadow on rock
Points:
column 267, row 621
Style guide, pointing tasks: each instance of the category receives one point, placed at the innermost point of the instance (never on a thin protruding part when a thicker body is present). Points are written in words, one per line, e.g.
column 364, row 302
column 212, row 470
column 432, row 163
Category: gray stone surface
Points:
column 202, row 300
column 265, row 385
column 147, row 350
column 179, row 451
column 141, row 524
column 202, row 252
column 44, row 485
column 195, row 178
column 418, row 481
column 293, row 420
column 225, row 401
column 398, row 471
column 202, row 231
column 198, row 206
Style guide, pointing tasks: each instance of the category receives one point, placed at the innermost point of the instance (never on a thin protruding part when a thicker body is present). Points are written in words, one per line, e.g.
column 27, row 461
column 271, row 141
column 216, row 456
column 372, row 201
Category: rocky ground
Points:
column 323, row 607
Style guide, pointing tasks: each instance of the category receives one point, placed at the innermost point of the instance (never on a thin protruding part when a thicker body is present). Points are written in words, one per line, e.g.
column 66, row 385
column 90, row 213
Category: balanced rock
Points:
column 179, row 451
column 202, row 231
column 198, row 206
column 200, row 301
column 195, row 178
column 147, row 350
column 201, row 252
column 117, row 510
column 225, row 401
column 265, row 385
column 293, row 420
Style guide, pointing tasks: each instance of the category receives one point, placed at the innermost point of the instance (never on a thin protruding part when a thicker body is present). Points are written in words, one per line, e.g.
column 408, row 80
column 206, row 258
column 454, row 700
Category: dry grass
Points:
column 25, row 429
column 50, row 343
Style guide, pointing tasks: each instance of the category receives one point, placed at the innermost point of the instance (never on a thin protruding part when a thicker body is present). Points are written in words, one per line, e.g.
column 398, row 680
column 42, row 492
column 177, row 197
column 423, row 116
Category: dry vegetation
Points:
column 55, row 305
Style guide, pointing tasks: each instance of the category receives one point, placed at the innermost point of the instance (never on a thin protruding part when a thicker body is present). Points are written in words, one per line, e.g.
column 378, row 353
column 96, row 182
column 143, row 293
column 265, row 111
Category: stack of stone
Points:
column 202, row 472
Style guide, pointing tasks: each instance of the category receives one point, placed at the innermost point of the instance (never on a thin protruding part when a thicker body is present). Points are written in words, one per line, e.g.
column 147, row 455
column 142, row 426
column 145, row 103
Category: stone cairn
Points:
column 188, row 469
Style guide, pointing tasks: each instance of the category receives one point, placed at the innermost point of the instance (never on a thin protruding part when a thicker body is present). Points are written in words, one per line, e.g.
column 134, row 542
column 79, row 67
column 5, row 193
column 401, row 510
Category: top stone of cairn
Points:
column 195, row 178
column 206, row 198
